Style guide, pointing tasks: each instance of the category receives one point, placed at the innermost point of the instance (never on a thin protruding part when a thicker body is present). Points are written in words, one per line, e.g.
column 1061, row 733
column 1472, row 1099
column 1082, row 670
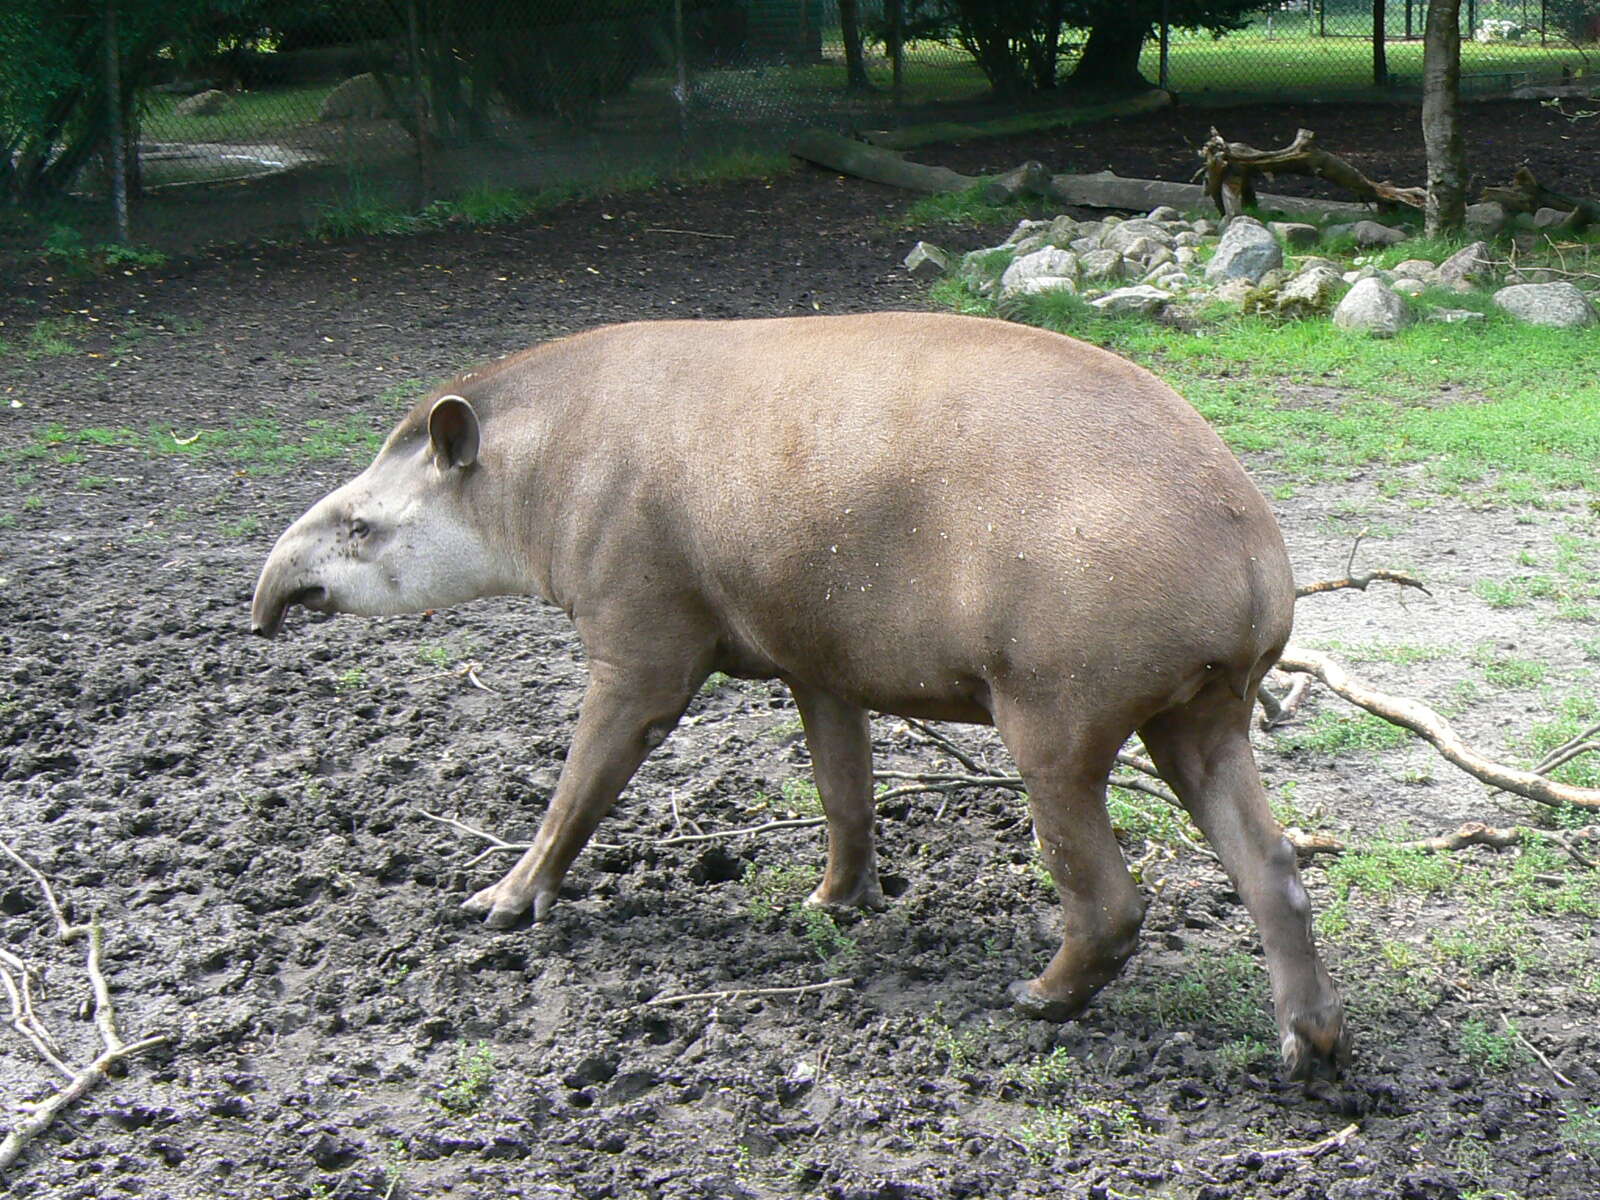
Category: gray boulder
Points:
column 1129, row 233
column 1558, row 305
column 1038, row 284
column 1368, row 233
column 1406, row 286
column 927, row 261
column 1486, row 219
column 1084, row 243
column 1143, row 299
column 1370, row 307
column 1247, row 251
column 203, row 104
column 1419, row 269
column 1063, row 230
column 1309, row 292
column 1101, row 264
column 358, row 98
column 1549, row 218
column 1295, row 234
column 1467, row 266
column 1046, row 263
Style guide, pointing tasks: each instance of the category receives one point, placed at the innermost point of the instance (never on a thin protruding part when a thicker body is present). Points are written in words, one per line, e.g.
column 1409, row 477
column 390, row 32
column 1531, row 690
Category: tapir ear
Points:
column 453, row 430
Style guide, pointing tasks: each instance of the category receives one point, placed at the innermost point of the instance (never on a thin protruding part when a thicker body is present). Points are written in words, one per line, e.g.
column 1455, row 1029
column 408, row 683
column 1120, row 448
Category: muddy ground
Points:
column 246, row 816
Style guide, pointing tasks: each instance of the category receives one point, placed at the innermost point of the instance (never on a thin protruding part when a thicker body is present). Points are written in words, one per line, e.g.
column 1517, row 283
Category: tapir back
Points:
column 912, row 509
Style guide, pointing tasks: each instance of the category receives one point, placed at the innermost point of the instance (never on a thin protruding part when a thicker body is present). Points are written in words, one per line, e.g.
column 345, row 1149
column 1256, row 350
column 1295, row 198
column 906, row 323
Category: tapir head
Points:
column 407, row 534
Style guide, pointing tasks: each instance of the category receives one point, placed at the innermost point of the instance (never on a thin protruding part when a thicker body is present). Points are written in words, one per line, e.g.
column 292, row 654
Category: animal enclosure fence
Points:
column 405, row 102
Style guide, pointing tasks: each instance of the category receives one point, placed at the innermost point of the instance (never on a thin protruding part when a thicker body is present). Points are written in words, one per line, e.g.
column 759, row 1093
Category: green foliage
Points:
column 1581, row 1131
column 1224, row 994
column 472, row 1082
column 1386, row 868
column 1336, row 733
column 1064, row 1130
column 824, row 935
column 773, row 890
column 67, row 246
column 967, row 207
column 1491, row 1051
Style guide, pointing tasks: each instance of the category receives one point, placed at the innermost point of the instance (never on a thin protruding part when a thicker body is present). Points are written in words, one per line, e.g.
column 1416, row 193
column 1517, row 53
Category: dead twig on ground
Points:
column 17, row 976
column 1359, row 582
column 948, row 746
column 741, row 993
column 1522, row 1041
column 1332, row 1142
column 1422, row 720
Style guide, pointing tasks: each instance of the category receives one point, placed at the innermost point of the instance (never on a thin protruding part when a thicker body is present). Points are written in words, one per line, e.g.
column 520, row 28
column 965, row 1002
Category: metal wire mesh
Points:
column 414, row 99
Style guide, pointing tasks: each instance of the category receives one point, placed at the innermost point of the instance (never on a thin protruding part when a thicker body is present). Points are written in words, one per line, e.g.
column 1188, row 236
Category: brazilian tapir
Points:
column 934, row 516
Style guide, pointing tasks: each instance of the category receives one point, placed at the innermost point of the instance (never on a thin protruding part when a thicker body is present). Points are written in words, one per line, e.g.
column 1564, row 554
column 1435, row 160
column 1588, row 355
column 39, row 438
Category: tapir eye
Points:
column 359, row 528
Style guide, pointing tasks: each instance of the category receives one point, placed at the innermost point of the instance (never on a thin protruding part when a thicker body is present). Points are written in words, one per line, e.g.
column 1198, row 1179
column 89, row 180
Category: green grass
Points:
column 472, row 1081
column 963, row 208
column 1223, row 994
column 252, row 114
column 1581, row 1131
column 1520, row 427
column 1489, row 1050
column 1573, row 714
column 260, row 446
column 1333, row 733
column 773, row 890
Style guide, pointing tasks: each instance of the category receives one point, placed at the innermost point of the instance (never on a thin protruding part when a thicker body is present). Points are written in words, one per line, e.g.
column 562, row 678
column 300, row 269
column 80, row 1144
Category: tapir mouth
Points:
column 267, row 617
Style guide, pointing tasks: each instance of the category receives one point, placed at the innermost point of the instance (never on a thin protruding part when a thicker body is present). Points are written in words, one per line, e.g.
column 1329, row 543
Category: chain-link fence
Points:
column 309, row 105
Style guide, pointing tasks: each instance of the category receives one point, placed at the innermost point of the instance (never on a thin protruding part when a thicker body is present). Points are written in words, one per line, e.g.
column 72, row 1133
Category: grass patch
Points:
column 1574, row 714
column 1334, row 733
column 773, row 890
column 1061, row 1130
column 1489, row 1050
column 968, row 207
column 1519, row 427
column 1224, row 994
column 472, row 1081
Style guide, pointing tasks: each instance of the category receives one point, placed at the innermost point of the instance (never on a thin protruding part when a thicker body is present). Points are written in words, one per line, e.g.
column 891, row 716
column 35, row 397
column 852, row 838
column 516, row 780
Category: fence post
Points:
column 1166, row 38
column 680, row 90
column 897, row 46
column 419, row 109
column 119, row 155
column 1322, row 18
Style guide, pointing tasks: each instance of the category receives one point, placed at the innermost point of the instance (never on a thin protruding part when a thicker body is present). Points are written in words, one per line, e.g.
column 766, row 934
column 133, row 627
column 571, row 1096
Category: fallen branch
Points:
column 1359, row 582
column 16, row 975
column 1231, row 167
column 739, row 993
column 1517, row 1036
column 1421, row 719
column 1275, row 712
column 1568, row 750
column 1526, row 194
column 1473, row 833
column 1332, row 1142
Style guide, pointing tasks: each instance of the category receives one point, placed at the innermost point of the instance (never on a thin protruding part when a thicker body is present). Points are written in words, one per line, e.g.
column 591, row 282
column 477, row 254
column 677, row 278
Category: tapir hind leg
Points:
column 627, row 711
column 1203, row 749
column 839, row 737
column 1065, row 766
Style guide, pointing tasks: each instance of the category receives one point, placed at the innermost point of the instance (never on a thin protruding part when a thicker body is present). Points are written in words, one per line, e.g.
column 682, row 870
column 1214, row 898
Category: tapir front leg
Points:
column 839, row 736
column 626, row 713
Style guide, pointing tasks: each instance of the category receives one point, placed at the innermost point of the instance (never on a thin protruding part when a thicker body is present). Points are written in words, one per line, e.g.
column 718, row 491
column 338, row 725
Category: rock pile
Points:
column 1162, row 263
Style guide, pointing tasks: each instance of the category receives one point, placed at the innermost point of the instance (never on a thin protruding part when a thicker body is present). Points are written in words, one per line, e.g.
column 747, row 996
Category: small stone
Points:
column 1185, row 256
column 1454, row 316
column 1101, row 264
column 1409, row 287
column 1370, row 307
column 927, row 261
column 1165, row 213
column 1296, row 235
column 1205, row 227
column 1368, row 233
column 1187, row 238
column 1469, row 265
column 1486, row 219
column 1312, row 262
column 1274, row 279
column 1419, row 269
column 1167, row 275
column 1309, row 292
column 1045, row 262
column 1247, row 251
column 1085, row 243
column 1063, row 230
column 1125, row 236
column 1030, row 179
column 1024, row 228
column 1142, row 299
column 204, row 104
column 980, row 270
column 1140, row 251
column 1549, row 218
column 1234, row 291
column 1556, row 305
column 360, row 98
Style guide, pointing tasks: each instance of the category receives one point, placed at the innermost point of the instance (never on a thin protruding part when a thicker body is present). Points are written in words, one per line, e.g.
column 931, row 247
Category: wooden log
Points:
column 848, row 157
column 1231, row 167
column 1106, row 190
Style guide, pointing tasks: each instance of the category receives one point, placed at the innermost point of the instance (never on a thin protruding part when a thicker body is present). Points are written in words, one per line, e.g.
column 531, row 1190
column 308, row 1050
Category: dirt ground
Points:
column 246, row 816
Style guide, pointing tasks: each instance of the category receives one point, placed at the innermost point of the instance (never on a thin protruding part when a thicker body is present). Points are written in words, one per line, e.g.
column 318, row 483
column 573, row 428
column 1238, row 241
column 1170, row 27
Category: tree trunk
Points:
column 1380, row 49
column 855, row 63
column 1110, row 59
column 1441, row 118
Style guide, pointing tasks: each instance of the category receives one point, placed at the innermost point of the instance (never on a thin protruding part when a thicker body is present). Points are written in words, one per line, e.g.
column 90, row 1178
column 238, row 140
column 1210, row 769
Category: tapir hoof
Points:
column 868, row 896
column 1317, row 1045
column 501, row 906
column 1030, row 1001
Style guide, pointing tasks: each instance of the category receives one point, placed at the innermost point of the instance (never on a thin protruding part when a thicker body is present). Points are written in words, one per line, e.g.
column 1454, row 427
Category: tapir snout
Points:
column 933, row 516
